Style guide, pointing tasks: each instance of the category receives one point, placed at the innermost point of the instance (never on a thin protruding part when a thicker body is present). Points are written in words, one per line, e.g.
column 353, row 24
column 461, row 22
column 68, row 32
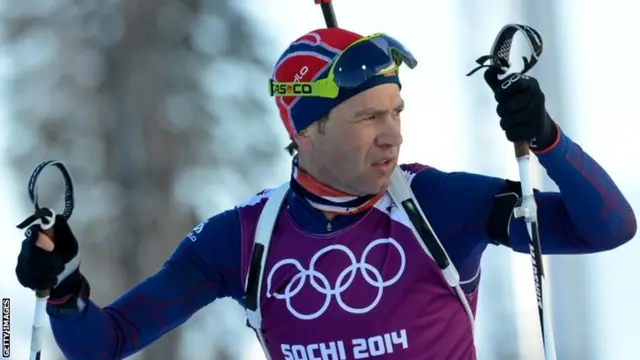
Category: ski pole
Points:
column 328, row 13
column 45, row 217
column 527, row 209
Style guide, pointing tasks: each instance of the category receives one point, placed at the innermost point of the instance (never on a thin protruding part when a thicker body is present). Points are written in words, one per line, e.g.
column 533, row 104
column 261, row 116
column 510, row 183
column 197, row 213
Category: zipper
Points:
column 329, row 227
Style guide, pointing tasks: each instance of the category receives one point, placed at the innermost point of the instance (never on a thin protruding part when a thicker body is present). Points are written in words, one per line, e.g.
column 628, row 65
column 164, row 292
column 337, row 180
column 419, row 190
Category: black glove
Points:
column 58, row 270
column 521, row 108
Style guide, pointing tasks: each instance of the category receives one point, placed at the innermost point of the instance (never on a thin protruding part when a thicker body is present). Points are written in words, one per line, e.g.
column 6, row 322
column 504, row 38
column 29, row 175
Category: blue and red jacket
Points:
column 588, row 215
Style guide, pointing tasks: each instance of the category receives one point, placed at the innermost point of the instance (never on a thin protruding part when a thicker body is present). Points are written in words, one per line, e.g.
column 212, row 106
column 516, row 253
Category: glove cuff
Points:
column 549, row 137
column 70, row 296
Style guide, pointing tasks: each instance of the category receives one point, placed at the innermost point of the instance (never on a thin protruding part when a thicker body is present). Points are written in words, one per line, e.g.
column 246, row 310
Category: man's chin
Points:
column 383, row 185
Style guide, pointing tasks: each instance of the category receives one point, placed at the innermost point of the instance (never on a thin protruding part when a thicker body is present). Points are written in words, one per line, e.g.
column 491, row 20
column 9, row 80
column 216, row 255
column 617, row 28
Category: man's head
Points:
column 351, row 142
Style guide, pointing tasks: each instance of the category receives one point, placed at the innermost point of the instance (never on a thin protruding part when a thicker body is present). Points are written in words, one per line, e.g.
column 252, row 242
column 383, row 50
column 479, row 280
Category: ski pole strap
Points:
column 46, row 216
column 501, row 49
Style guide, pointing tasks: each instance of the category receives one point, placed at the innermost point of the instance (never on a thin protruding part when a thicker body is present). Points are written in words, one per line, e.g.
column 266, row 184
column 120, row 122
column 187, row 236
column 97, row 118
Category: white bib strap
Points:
column 402, row 195
column 262, row 239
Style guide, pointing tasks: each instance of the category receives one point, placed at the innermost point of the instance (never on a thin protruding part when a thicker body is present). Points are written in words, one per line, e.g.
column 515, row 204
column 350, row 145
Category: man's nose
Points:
column 390, row 134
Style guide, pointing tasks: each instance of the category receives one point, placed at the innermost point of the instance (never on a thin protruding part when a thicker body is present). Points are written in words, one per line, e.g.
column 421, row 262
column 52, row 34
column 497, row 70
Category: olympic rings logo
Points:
column 321, row 284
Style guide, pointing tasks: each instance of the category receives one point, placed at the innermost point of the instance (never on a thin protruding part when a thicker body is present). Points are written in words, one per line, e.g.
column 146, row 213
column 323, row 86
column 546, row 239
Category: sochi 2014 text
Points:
column 360, row 348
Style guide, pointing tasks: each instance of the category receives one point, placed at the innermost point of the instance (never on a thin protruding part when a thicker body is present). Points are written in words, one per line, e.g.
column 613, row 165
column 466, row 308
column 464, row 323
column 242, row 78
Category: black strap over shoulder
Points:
column 46, row 216
column 501, row 49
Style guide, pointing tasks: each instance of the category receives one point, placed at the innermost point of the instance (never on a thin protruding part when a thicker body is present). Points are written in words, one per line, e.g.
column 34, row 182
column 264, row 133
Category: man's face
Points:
column 357, row 148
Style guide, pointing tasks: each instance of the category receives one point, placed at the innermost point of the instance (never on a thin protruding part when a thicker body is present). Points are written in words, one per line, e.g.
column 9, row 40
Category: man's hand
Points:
column 44, row 264
column 521, row 108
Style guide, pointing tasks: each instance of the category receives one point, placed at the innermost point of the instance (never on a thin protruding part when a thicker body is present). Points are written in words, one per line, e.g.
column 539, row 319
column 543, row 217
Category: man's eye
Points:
column 367, row 118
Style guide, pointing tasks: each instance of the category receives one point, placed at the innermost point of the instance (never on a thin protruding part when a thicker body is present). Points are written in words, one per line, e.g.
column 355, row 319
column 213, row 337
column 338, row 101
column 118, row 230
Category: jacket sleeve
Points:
column 204, row 267
column 589, row 214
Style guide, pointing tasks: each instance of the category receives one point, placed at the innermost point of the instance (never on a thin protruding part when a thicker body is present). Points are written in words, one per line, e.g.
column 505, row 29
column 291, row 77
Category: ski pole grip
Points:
column 42, row 293
column 47, row 221
column 521, row 148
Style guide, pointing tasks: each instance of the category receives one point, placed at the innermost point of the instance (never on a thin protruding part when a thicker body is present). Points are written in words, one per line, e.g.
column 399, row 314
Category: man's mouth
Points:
column 384, row 163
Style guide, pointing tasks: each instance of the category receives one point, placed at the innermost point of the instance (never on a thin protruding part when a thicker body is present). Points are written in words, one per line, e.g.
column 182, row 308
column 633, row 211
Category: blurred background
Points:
column 160, row 110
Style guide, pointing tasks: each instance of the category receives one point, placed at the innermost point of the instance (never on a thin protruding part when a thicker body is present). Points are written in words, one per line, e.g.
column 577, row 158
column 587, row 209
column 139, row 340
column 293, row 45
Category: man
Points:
column 344, row 277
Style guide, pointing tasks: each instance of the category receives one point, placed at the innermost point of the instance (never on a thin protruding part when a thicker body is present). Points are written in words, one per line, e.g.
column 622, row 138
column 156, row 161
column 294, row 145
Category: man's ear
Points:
column 303, row 140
